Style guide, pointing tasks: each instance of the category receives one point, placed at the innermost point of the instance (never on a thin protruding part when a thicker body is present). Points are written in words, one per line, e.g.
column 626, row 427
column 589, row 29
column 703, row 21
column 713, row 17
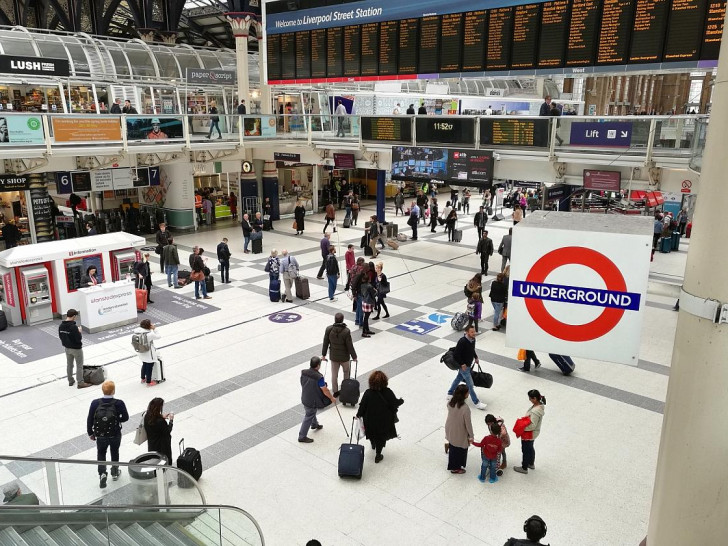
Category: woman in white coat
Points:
column 143, row 342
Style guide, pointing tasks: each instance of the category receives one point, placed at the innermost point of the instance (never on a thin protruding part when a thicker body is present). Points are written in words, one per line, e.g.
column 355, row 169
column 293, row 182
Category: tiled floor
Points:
column 233, row 382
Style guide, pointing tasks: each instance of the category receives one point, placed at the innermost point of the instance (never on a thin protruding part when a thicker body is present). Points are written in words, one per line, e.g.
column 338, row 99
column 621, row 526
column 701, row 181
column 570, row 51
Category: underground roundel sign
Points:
column 579, row 294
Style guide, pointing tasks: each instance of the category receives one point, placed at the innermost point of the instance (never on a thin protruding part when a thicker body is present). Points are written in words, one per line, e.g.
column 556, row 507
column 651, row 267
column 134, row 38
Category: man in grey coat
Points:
column 315, row 395
column 338, row 342
column 505, row 248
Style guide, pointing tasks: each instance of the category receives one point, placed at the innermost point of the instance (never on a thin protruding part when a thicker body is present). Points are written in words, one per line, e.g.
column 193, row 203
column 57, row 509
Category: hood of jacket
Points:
column 339, row 333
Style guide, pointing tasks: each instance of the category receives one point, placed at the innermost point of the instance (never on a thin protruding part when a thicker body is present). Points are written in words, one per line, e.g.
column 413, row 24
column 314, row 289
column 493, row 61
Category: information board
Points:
column 445, row 130
column 474, row 40
column 334, row 47
column 288, row 56
column 615, row 30
column 648, row 31
column 582, row 41
column 500, row 26
column 408, row 32
column 386, row 129
column 318, row 53
column 388, row 48
column 352, row 50
column 370, row 49
column 684, row 30
column 273, row 54
column 525, row 36
column 451, row 42
column 553, row 33
column 714, row 21
column 303, row 54
column 429, row 45
column 514, row 132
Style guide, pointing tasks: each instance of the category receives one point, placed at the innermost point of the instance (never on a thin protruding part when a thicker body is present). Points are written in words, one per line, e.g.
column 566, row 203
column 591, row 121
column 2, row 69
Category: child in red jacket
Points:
column 505, row 440
column 491, row 446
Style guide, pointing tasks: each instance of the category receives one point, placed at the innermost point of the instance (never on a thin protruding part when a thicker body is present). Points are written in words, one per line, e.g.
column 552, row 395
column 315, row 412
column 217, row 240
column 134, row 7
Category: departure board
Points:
column 714, row 20
column 386, row 129
column 334, row 47
column 408, row 32
column 525, row 36
column 451, row 42
column 273, row 52
column 318, row 53
column 429, row 45
column 514, row 132
column 352, row 51
column 582, row 32
column 370, row 49
column 388, row 48
column 445, row 130
column 648, row 31
column 614, row 34
column 554, row 32
column 474, row 39
column 684, row 30
column 303, row 54
column 288, row 56
column 500, row 26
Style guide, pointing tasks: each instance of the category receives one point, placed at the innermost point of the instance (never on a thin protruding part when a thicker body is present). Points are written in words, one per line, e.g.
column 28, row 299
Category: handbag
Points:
column 481, row 378
column 295, row 225
column 140, row 436
column 384, row 287
column 256, row 235
column 521, row 354
column 197, row 276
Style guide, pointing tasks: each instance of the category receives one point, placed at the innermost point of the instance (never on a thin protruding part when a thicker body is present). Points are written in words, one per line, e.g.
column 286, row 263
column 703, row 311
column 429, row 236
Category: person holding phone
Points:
column 158, row 426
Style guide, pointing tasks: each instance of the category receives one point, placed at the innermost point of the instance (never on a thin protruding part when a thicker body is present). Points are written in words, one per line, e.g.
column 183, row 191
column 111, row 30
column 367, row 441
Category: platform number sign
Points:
column 63, row 182
column 154, row 176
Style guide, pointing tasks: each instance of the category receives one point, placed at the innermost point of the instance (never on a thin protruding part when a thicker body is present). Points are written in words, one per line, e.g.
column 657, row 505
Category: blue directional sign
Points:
column 284, row 318
column 439, row 318
column 417, row 327
column 593, row 133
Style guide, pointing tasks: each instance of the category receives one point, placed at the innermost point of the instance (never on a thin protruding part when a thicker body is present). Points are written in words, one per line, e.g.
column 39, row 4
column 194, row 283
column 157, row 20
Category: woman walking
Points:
column 214, row 120
column 458, row 430
column 159, row 431
column 531, row 432
column 355, row 206
column 498, row 298
column 298, row 213
column 369, row 298
column 378, row 408
column 149, row 356
column 382, row 290
column 433, row 214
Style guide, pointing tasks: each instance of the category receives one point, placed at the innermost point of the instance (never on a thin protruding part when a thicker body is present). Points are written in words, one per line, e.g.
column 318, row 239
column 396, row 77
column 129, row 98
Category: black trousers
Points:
column 225, row 270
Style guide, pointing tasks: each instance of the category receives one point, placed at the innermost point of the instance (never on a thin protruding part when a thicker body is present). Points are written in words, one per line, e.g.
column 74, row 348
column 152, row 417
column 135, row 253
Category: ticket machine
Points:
column 35, row 285
column 122, row 263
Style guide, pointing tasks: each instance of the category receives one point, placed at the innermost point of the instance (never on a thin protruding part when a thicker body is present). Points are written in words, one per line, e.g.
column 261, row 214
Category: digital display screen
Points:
column 352, row 50
column 410, row 163
column 513, row 132
column 687, row 19
column 318, row 53
column 554, row 32
column 288, row 56
column 500, row 25
column 474, row 40
column 303, row 54
column 525, row 36
column 471, row 166
column 408, row 32
column 429, row 45
column 615, row 32
column 451, row 42
column 445, row 130
column 334, row 58
column 386, row 129
column 344, row 161
column 273, row 53
column 648, row 31
column 583, row 27
column 388, row 48
column 370, row 49
column 714, row 20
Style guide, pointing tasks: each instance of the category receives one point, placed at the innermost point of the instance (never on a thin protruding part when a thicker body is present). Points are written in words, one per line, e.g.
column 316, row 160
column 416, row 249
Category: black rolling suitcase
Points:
column 267, row 224
column 189, row 460
column 457, row 235
column 302, row 290
column 351, row 457
column 565, row 364
column 257, row 246
column 347, row 222
column 210, row 283
column 349, row 393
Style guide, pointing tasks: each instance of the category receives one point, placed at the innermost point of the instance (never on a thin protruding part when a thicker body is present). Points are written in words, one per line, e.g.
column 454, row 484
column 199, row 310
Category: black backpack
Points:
column 106, row 421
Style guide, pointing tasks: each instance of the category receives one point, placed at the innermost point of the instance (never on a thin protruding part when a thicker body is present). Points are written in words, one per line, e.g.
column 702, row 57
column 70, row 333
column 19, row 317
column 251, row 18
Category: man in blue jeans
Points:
column 332, row 272
column 103, row 425
column 465, row 355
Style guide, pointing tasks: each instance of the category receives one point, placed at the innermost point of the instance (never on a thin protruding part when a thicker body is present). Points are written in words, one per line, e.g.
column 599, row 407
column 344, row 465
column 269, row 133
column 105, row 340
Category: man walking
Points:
column 332, row 272
column 163, row 238
column 247, row 230
column 465, row 355
column 504, row 249
column 399, row 203
column 223, row 256
column 70, row 335
column 242, row 110
column 481, row 218
column 325, row 244
column 340, row 114
column 337, row 340
column 348, row 200
column 485, row 249
column 289, row 272
column 171, row 263
column 103, row 425
column 315, row 395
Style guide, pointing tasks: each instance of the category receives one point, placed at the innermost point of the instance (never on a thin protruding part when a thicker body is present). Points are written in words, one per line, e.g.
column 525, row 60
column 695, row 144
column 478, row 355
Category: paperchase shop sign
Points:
column 578, row 285
column 220, row 77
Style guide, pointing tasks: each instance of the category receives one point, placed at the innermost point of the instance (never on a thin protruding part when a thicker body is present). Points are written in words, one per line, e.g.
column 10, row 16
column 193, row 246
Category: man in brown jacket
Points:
column 338, row 342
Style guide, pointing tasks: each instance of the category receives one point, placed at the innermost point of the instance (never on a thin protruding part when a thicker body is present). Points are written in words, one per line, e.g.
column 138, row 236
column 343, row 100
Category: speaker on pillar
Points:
column 292, row 5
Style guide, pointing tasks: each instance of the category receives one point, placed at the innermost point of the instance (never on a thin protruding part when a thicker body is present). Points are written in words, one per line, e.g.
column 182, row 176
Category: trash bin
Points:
column 145, row 489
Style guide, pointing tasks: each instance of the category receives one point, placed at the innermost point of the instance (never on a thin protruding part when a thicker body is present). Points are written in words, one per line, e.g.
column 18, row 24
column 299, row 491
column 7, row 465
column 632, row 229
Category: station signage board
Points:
column 613, row 134
column 602, row 180
column 34, row 66
column 14, row 182
column 201, row 75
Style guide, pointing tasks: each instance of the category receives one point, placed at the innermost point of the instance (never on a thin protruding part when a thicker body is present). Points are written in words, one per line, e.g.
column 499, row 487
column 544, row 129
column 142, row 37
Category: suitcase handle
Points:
column 356, row 366
column 181, row 446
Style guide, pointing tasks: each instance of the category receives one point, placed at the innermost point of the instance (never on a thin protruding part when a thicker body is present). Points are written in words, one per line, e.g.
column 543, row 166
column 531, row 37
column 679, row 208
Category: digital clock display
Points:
column 434, row 130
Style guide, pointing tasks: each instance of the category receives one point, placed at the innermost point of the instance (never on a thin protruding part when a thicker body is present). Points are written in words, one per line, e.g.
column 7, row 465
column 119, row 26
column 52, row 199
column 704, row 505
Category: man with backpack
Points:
column 103, row 426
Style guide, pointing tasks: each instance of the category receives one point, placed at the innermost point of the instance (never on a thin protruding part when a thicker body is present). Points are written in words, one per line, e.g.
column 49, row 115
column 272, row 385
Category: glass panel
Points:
column 20, row 45
column 186, row 60
column 80, row 62
column 52, row 49
column 122, row 67
column 140, row 61
column 209, row 59
column 167, row 65
column 238, row 528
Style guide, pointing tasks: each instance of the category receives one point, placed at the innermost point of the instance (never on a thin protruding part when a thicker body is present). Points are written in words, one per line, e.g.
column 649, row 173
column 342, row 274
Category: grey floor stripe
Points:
column 654, row 367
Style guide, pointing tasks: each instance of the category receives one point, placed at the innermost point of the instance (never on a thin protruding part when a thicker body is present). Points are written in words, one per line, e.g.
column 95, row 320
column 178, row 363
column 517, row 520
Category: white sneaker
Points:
column 481, row 406
column 334, row 299
column 449, row 397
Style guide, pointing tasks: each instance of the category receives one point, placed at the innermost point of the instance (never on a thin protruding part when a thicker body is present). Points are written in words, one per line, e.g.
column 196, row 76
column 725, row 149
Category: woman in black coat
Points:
column 378, row 408
column 299, row 212
column 159, row 431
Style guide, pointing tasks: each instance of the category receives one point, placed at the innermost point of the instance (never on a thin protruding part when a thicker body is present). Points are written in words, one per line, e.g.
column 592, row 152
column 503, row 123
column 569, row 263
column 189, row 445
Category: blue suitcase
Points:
column 351, row 458
column 676, row 240
column 565, row 364
column 665, row 245
column 274, row 290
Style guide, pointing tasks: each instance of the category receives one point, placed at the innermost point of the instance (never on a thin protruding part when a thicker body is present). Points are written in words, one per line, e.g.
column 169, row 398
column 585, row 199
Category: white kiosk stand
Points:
column 107, row 305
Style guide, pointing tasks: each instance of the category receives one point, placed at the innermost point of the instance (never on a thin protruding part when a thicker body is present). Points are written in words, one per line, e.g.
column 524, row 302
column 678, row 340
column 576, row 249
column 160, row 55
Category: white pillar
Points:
column 241, row 23
column 266, row 105
column 688, row 504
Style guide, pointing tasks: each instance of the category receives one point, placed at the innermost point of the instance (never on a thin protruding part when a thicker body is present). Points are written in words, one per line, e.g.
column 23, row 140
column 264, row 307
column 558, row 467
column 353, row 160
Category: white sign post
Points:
column 578, row 284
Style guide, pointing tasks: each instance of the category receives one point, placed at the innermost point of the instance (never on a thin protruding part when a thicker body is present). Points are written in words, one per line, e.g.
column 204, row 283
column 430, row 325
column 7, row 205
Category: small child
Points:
column 505, row 439
column 475, row 309
column 491, row 446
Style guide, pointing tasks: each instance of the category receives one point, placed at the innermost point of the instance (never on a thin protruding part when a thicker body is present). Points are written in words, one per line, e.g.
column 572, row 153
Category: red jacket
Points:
column 491, row 446
column 350, row 260
column 519, row 428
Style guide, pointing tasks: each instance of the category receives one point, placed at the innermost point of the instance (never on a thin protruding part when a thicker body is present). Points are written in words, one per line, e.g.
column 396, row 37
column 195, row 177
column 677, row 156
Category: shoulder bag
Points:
column 481, row 378
column 140, row 436
column 197, row 276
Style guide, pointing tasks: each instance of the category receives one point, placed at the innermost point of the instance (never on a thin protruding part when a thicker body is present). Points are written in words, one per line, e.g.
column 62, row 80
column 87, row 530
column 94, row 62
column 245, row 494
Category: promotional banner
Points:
column 158, row 128
column 602, row 180
column 21, row 129
column 41, row 204
column 259, row 126
column 96, row 128
column 102, row 180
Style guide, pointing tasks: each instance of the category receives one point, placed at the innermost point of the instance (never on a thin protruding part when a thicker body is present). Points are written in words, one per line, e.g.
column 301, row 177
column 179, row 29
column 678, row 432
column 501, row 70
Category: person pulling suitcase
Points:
column 315, row 395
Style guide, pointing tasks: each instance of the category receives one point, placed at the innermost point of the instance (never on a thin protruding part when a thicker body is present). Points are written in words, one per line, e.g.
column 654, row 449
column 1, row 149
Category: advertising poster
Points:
column 19, row 129
column 95, row 128
column 122, row 178
column 102, row 180
column 259, row 126
column 42, row 206
column 158, row 128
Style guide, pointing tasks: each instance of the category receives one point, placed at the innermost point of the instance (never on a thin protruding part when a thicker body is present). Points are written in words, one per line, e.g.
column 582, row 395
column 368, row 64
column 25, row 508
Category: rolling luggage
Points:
column 368, row 251
column 158, row 371
column 565, row 364
column 94, row 375
column 274, row 290
column 257, row 246
column 457, row 235
column 347, row 222
column 210, row 283
column 675, row 240
column 141, row 296
column 351, row 457
column 392, row 231
column 459, row 321
column 302, row 290
column 190, row 461
column 267, row 224
column 349, row 393
column 364, row 241
column 394, row 245
column 665, row 245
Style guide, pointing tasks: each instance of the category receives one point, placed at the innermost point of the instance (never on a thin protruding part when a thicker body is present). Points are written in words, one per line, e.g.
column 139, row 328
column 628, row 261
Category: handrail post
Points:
column 47, row 133
column 124, row 135
column 650, row 141
column 54, row 492
column 162, row 489
column 186, row 129
column 476, row 129
column 552, row 138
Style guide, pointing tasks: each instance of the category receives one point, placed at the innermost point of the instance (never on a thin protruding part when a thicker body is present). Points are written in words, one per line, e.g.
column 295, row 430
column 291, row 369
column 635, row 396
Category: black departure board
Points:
column 451, row 42
column 388, row 48
column 429, row 45
column 288, row 56
column 303, row 54
column 500, row 26
column 352, row 51
column 582, row 40
column 273, row 52
column 514, row 132
column 648, row 31
column 334, row 47
column 408, row 32
column 318, row 53
column 370, row 49
column 687, row 19
column 553, row 35
column 614, row 35
column 386, row 129
column 474, row 40
column 525, row 36
column 714, row 20
column 445, row 130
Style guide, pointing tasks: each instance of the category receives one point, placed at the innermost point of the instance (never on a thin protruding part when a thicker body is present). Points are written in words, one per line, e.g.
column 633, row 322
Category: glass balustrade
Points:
column 701, row 133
